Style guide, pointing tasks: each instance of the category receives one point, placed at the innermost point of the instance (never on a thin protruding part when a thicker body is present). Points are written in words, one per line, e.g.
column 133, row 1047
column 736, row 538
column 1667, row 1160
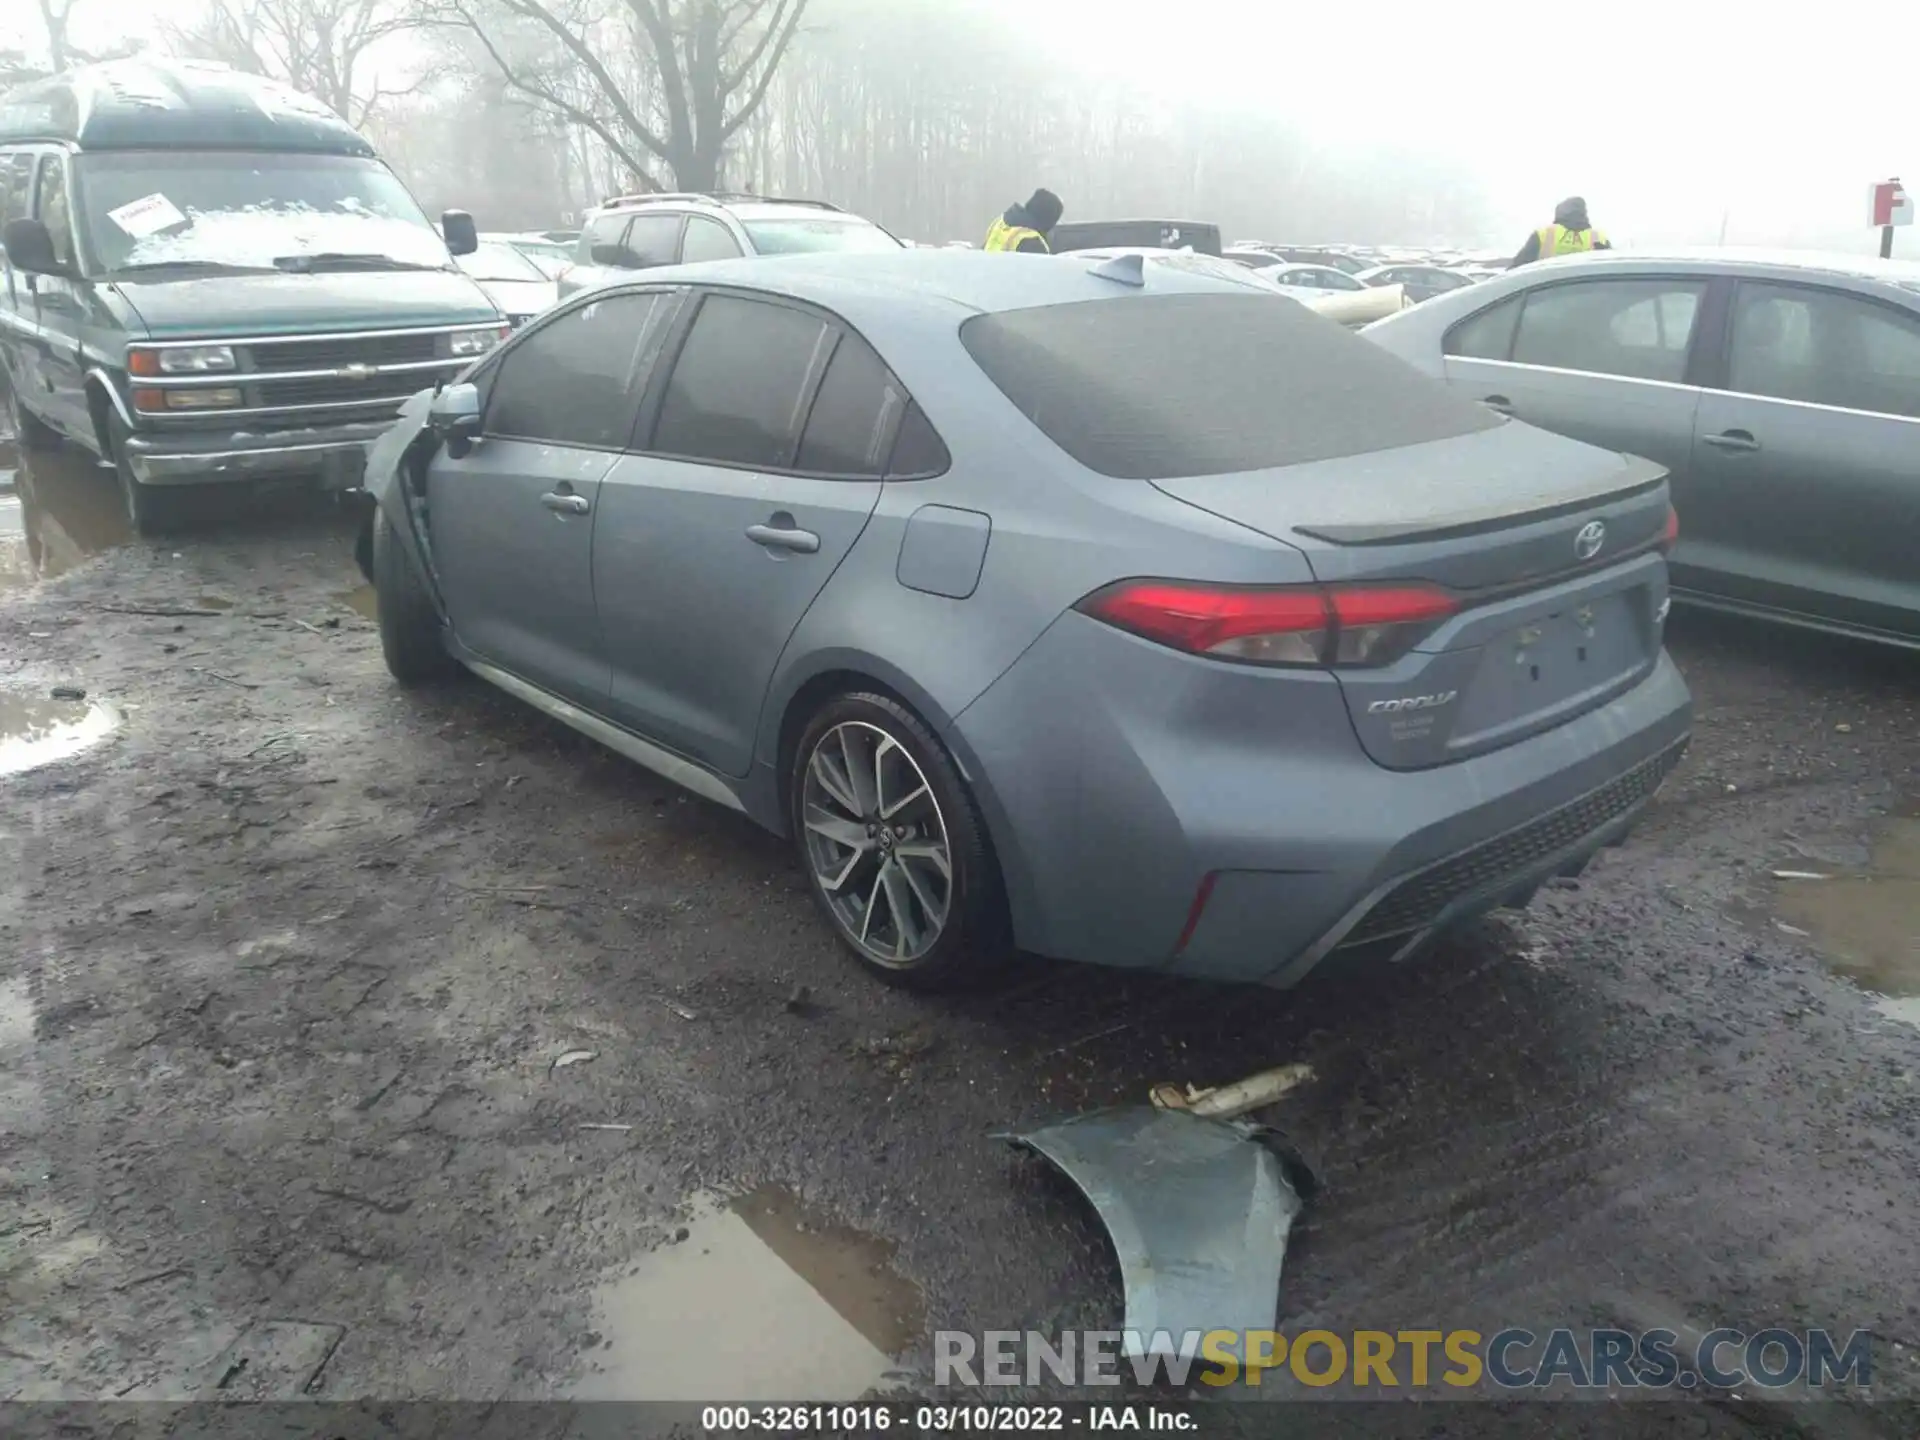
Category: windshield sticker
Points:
column 146, row 216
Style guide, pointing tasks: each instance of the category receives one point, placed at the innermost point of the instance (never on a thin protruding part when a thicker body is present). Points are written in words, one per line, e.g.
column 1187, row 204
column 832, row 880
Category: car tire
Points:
column 411, row 638
column 881, row 841
column 151, row 509
column 33, row 435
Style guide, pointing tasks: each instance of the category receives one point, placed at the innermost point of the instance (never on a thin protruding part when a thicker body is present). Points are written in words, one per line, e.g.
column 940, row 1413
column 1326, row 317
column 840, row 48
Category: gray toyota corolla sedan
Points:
column 1780, row 391
column 1095, row 611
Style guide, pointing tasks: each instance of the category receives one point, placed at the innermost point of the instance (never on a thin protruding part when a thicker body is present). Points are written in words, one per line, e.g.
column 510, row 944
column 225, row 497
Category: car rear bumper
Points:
column 336, row 454
column 1144, row 822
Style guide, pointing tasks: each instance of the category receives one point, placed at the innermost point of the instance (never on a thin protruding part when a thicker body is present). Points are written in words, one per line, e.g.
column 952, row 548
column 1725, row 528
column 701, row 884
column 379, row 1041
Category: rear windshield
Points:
column 1167, row 386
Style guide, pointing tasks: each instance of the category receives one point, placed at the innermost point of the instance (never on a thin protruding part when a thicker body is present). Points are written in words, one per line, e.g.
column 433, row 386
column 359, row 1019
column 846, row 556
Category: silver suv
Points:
column 641, row 232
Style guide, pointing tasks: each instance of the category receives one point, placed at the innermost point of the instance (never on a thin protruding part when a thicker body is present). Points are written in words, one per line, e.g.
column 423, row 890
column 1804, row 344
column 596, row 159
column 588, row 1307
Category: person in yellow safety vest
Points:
column 1025, row 228
column 1571, row 233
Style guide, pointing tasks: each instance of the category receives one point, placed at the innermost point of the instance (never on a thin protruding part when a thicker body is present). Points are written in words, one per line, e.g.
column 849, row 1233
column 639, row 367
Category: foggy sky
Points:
column 1672, row 118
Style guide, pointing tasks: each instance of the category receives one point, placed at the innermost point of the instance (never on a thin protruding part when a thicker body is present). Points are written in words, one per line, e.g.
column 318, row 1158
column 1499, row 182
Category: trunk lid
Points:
column 1551, row 547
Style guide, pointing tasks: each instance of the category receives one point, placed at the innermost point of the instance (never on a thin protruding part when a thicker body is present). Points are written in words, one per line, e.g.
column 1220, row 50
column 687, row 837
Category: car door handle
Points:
column 1498, row 402
column 565, row 504
column 1731, row 440
column 784, row 537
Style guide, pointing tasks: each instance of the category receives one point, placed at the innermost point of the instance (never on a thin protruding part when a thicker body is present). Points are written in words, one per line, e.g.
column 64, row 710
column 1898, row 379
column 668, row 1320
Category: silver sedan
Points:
column 1781, row 393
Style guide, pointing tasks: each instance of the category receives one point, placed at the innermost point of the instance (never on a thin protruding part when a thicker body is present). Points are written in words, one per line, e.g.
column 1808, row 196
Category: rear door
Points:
column 763, row 464
column 1805, row 490
column 512, row 520
column 1606, row 361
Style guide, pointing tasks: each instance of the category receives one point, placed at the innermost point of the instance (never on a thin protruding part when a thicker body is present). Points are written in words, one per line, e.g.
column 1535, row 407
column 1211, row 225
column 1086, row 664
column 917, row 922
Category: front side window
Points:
column 651, row 240
column 577, row 380
column 53, row 208
column 601, row 238
column 1793, row 342
column 707, row 240
column 1634, row 328
column 739, row 387
column 251, row 211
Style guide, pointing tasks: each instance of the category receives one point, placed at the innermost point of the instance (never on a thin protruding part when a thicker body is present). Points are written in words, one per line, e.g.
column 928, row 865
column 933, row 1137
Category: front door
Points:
column 762, row 469
column 512, row 521
column 1805, row 479
column 1604, row 361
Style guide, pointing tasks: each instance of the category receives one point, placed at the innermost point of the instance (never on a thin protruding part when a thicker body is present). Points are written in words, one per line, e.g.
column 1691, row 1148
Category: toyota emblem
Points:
column 1587, row 543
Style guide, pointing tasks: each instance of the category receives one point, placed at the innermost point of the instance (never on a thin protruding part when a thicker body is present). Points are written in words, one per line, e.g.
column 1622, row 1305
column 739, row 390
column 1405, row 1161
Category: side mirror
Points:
column 615, row 257
column 456, row 228
column 455, row 418
column 30, row 248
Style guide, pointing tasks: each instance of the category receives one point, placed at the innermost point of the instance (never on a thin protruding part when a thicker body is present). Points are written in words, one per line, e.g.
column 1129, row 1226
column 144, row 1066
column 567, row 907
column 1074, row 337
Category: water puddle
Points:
column 36, row 730
column 1867, row 921
column 58, row 511
column 760, row 1301
column 361, row 599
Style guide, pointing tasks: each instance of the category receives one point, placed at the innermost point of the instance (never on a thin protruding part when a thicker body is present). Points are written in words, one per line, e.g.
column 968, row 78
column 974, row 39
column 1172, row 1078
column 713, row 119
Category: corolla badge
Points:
column 1413, row 702
column 1587, row 543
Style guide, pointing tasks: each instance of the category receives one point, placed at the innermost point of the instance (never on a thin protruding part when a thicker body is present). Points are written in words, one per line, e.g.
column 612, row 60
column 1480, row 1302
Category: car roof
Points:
column 873, row 287
column 746, row 207
column 158, row 104
column 1736, row 260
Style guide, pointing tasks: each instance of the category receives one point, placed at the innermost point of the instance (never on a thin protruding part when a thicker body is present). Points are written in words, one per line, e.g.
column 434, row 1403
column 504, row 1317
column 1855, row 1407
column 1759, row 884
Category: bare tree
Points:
column 661, row 83
column 319, row 47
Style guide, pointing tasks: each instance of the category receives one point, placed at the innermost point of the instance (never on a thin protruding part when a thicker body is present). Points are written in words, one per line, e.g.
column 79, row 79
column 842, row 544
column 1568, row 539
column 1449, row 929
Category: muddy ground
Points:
column 289, row 965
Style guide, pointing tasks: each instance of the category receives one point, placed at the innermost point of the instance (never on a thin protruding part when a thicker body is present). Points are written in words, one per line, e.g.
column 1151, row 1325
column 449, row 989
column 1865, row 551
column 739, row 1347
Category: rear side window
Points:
column 853, row 415
column 918, row 450
column 739, row 389
column 578, row 380
column 1635, row 328
column 1165, row 386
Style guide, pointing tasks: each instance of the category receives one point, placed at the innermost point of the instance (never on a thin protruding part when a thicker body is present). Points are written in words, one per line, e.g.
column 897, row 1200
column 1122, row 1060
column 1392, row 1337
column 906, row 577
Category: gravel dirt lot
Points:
column 287, row 966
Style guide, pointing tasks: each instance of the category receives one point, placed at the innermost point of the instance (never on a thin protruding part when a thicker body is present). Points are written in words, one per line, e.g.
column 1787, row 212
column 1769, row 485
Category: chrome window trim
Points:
column 1695, row 389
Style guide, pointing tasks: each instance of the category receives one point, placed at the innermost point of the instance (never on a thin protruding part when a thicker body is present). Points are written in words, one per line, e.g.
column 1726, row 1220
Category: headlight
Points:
column 467, row 343
column 181, row 360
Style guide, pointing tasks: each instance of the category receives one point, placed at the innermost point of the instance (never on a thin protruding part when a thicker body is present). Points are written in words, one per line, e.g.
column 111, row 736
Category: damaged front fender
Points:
column 1198, row 1211
column 397, row 480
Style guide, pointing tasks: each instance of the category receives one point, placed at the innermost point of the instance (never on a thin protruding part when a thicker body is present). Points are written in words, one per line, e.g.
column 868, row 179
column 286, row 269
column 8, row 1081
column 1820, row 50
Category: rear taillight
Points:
column 1670, row 537
column 1275, row 625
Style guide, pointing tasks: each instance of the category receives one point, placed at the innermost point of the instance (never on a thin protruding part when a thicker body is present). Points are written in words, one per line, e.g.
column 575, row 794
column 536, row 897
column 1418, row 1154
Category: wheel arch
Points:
column 802, row 690
column 103, row 404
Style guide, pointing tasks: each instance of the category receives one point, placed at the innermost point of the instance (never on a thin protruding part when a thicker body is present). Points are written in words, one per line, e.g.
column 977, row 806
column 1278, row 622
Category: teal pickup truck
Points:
column 210, row 278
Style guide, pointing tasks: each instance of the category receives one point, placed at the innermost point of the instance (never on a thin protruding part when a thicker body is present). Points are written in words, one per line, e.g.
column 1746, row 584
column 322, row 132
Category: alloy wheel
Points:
column 877, row 843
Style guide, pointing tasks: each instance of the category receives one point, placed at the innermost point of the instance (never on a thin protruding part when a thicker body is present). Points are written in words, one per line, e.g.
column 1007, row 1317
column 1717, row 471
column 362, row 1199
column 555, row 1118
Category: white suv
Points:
column 640, row 232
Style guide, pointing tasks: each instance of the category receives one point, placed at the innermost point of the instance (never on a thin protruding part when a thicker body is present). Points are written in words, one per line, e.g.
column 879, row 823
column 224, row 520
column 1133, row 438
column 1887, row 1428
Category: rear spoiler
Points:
column 1640, row 476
